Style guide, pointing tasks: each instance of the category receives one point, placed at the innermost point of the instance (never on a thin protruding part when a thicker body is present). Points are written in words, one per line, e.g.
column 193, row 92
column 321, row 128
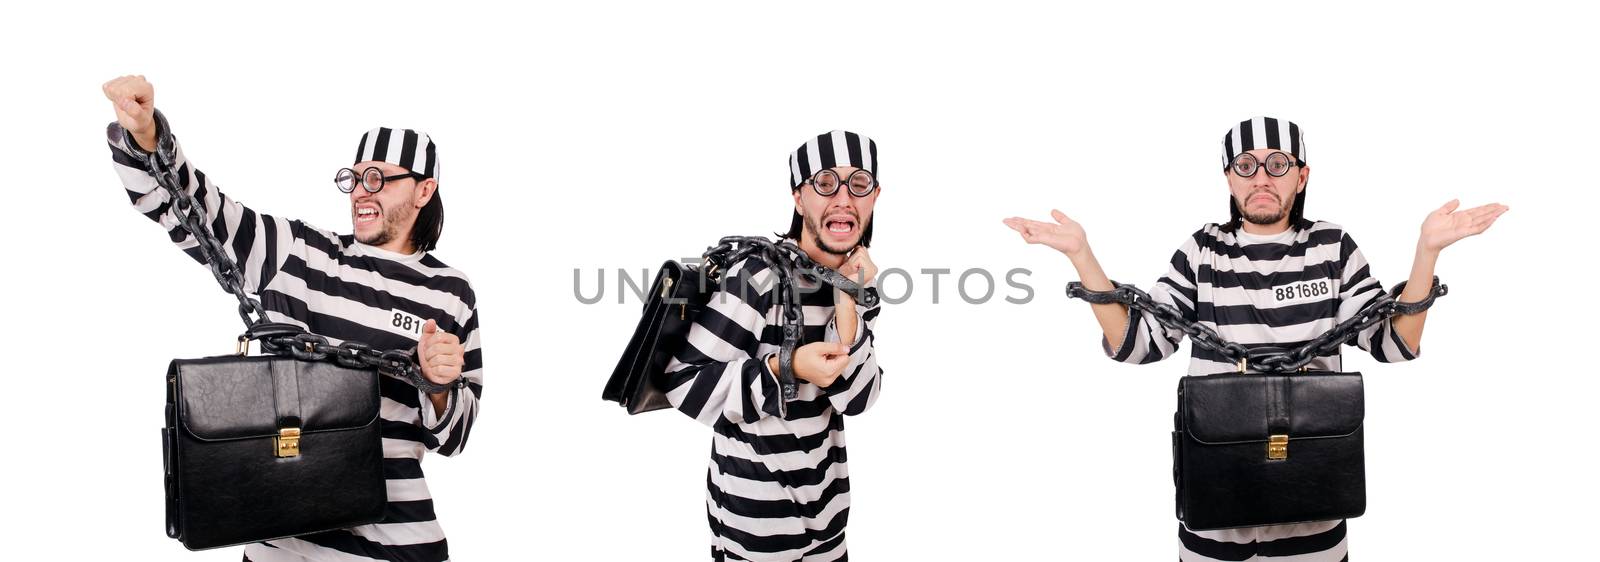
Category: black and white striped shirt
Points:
column 778, row 487
column 1278, row 290
column 343, row 290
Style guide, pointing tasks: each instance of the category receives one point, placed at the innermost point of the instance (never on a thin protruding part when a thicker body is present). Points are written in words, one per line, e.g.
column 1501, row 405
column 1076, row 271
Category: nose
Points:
column 361, row 195
column 1261, row 179
column 842, row 199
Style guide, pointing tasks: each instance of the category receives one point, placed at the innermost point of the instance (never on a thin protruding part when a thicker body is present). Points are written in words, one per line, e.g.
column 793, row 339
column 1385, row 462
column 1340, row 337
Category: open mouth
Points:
column 366, row 213
column 840, row 225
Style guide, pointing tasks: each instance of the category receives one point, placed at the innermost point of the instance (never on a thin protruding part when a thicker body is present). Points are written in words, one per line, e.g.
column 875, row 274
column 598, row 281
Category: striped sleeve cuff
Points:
column 1389, row 347
column 769, row 390
column 438, row 424
column 1125, row 350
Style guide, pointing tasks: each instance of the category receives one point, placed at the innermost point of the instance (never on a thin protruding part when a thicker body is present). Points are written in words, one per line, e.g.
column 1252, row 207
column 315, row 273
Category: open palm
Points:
column 1446, row 225
column 1065, row 235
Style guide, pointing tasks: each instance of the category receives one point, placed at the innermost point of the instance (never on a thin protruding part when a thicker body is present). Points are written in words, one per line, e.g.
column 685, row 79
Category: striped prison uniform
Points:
column 336, row 287
column 1264, row 290
column 778, row 487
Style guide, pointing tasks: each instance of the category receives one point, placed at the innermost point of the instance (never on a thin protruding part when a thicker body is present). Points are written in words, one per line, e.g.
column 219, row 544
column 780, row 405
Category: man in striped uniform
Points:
column 379, row 286
column 778, row 487
column 1269, row 277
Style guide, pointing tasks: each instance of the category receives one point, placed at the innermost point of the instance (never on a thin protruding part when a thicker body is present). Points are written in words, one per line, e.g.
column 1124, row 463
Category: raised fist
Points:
column 134, row 100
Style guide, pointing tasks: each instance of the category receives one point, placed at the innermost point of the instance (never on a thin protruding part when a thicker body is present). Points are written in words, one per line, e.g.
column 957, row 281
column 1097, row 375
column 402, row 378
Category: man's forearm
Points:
column 844, row 316
column 1113, row 317
column 440, row 400
column 1409, row 326
column 146, row 139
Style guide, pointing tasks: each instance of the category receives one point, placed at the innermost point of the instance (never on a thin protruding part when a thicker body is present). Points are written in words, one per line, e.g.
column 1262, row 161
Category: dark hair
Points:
column 430, row 223
column 797, row 229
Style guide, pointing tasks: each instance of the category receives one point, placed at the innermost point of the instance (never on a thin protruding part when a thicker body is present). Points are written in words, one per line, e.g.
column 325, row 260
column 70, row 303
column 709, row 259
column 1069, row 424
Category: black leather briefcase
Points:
column 1268, row 449
column 259, row 448
column 676, row 298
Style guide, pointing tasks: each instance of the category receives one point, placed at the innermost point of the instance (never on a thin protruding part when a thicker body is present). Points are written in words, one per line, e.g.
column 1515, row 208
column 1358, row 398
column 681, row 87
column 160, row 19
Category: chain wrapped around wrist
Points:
column 276, row 338
column 1264, row 359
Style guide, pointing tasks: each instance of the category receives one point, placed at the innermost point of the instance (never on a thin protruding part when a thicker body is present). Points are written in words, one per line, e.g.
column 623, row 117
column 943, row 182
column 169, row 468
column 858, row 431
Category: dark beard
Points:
column 391, row 227
column 1266, row 219
column 816, row 236
column 379, row 239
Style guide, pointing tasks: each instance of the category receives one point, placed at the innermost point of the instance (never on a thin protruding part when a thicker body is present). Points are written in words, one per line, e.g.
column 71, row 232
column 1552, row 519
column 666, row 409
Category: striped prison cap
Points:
column 830, row 149
column 408, row 149
column 1263, row 132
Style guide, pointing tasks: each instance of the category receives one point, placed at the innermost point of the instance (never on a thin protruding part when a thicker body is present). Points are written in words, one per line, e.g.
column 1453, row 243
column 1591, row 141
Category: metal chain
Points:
column 730, row 249
column 276, row 338
column 1264, row 359
column 786, row 261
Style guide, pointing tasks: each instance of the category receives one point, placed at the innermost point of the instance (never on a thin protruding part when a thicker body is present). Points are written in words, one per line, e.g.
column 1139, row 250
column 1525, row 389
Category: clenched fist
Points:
column 859, row 267
column 134, row 100
column 819, row 363
column 439, row 354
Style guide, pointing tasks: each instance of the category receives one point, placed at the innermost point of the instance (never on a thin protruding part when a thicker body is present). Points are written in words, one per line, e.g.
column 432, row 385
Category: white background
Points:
column 619, row 135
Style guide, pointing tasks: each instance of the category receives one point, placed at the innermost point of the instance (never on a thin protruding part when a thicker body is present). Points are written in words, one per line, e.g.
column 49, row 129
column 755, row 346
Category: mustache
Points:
column 853, row 214
column 1253, row 194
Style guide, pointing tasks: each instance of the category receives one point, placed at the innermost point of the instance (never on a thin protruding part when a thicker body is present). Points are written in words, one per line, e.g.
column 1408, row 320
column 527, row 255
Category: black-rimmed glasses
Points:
column 372, row 179
column 827, row 182
column 1246, row 164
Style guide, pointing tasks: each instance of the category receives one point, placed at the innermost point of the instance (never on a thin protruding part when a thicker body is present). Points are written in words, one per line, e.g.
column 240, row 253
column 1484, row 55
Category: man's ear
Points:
column 425, row 190
column 1305, row 176
column 797, row 209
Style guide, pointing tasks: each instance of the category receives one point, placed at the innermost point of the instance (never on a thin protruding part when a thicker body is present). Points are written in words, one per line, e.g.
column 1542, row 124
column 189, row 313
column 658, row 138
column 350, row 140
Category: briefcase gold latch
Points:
column 288, row 442
column 1278, row 447
column 666, row 293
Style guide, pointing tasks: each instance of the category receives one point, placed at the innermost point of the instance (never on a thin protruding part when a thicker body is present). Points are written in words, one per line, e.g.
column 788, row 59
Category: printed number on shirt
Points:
column 1302, row 291
column 406, row 324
